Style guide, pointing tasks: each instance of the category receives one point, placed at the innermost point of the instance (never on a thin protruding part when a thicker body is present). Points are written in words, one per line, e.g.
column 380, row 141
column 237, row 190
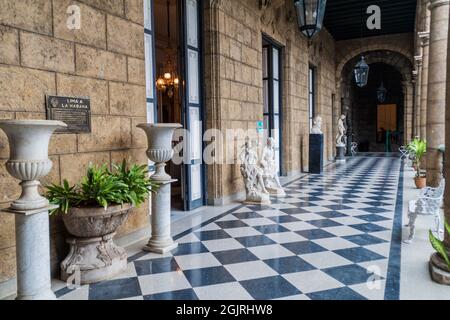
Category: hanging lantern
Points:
column 381, row 93
column 310, row 14
column 361, row 73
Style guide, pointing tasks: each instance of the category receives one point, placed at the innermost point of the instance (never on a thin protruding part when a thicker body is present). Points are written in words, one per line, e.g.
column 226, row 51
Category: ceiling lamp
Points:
column 381, row 93
column 361, row 72
column 310, row 14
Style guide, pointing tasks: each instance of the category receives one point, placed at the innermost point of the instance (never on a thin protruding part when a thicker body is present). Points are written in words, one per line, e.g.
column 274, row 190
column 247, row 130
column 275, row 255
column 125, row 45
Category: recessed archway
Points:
column 360, row 105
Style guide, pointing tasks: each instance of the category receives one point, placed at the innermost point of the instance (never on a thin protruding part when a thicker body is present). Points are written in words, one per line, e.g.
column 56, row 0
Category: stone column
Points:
column 417, row 93
column 439, row 270
column 436, row 88
column 408, row 102
column 424, row 41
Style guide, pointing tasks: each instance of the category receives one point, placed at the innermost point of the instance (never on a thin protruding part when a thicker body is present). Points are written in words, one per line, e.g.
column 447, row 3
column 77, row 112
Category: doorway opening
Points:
column 377, row 124
column 168, row 71
column 387, row 126
column 179, row 92
column 272, row 82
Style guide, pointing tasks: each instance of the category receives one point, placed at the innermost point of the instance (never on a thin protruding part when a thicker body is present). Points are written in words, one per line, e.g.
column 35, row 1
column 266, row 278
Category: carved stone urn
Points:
column 160, row 151
column 28, row 162
column 93, row 256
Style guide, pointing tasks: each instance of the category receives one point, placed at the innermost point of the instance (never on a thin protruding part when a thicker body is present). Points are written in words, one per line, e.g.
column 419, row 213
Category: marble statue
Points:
column 270, row 170
column 253, row 175
column 317, row 125
column 341, row 138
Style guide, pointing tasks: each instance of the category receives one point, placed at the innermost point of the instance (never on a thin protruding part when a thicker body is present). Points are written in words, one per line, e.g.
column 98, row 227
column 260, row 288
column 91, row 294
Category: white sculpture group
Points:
column 260, row 173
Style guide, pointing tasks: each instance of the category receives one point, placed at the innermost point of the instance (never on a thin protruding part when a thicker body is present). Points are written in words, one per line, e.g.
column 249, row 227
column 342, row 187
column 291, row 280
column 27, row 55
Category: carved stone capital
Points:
column 418, row 60
column 437, row 3
column 424, row 38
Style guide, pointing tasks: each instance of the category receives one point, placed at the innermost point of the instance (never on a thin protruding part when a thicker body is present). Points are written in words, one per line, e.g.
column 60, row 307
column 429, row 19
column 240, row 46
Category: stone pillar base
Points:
column 92, row 260
column 439, row 270
column 161, row 241
column 160, row 248
column 340, row 154
column 42, row 295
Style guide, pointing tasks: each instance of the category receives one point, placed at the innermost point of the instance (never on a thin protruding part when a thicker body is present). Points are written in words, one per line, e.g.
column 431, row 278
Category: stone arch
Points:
column 349, row 49
column 395, row 59
column 398, row 61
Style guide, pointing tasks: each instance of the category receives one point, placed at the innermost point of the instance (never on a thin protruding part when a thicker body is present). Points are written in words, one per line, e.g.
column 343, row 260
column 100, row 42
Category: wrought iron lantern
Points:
column 310, row 14
column 381, row 93
column 361, row 72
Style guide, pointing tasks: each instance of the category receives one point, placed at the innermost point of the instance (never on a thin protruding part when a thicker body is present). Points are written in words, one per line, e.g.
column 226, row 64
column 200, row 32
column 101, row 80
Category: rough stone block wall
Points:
column 104, row 60
column 234, row 90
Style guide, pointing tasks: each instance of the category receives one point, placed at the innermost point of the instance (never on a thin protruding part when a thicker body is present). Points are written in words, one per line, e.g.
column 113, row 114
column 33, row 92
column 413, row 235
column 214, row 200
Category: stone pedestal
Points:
column 93, row 256
column 92, row 260
column 33, row 254
column 340, row 154
column 161, row 240
column 316, row 153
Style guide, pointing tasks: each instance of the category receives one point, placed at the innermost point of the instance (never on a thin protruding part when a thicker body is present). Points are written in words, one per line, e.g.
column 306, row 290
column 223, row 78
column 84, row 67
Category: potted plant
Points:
column 441, row 258
column 418, row 148
column 92, row 211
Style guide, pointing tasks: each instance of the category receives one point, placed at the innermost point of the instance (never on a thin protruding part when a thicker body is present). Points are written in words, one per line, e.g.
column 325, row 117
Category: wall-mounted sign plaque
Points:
column 75, row 112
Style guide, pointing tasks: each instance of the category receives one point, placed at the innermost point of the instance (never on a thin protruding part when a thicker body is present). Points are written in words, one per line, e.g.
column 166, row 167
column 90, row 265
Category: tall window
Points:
column 272, row 74
column 311, row 95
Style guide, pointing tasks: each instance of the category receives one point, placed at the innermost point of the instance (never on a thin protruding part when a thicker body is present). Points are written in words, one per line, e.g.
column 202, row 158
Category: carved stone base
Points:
column 160, row 248
column 340, row 154
column 258, row 200
column 439, row 270
column 92, row 260
column 279, row 193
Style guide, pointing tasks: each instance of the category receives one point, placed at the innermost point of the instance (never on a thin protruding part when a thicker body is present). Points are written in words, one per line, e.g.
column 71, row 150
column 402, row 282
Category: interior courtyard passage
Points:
column 335, row 236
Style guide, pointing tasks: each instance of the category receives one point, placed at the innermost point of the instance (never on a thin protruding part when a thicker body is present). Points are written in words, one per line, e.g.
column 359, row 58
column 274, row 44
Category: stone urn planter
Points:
column 159, row 137
column 93, row 256
column 28, row 162
column 92, row 211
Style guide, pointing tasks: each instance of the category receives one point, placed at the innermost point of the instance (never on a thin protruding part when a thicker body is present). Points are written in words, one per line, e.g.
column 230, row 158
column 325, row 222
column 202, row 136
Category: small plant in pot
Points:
column 418, row 148
column 442, row 257
column 92, row 212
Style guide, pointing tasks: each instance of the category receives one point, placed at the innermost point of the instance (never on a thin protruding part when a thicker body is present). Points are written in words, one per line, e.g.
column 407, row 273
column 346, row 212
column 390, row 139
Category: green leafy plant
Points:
column 102, row 188
column 417, row 148
column 136, row 179
column 439, row 246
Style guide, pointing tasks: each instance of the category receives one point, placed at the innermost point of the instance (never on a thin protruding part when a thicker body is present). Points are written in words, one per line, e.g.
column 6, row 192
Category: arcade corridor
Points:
column 335, row 236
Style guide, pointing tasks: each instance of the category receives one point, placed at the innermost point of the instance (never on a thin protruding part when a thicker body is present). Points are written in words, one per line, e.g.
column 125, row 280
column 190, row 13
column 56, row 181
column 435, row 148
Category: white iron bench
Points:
column 429, row 204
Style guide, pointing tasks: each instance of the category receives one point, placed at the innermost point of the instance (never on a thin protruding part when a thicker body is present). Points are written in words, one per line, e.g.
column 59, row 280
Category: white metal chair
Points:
column 354, row 148
column 403, row 152
column 405, row 155
column 429, row 203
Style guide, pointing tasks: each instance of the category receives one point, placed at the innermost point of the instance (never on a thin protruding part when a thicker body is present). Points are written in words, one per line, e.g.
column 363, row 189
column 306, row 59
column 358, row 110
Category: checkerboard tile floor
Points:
column 325, row 240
